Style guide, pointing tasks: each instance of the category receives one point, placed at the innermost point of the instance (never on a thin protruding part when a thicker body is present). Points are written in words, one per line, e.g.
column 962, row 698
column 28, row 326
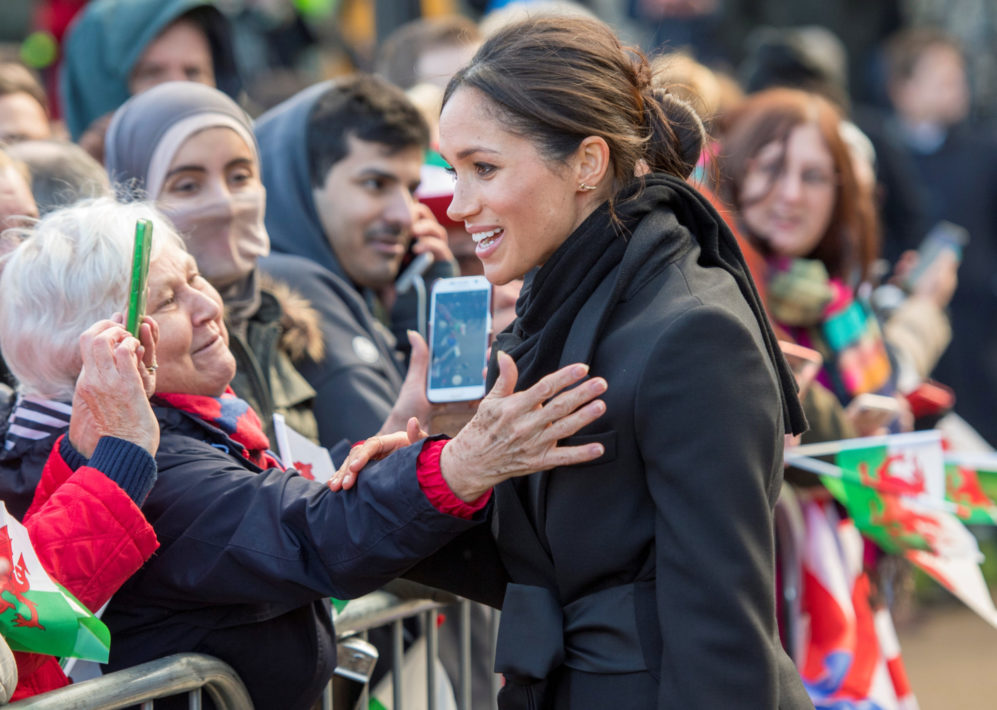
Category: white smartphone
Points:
column 459, row 325
column 872, row 411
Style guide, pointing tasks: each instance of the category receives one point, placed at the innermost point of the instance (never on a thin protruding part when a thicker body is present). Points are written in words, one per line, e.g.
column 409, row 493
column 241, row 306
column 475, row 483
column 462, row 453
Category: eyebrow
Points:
column 376, row 172
column 474, row 149
column 186, row 168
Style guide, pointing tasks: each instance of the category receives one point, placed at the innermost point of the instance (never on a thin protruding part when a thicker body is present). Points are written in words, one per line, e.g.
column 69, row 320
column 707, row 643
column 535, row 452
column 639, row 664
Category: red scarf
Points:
column 232, row 415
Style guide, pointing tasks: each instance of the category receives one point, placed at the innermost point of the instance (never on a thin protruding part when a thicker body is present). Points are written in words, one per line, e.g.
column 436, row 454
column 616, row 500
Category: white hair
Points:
column 72, row 269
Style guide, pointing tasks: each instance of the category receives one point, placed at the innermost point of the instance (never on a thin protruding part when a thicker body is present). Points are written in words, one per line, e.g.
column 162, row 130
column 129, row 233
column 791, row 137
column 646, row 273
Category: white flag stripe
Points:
column 828, row 448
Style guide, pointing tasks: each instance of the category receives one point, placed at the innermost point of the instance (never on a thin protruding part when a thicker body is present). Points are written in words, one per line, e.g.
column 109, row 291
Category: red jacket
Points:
column 90, row 537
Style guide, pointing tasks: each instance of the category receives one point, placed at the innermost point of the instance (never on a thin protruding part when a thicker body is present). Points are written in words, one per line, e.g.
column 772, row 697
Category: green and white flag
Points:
column 36, row 614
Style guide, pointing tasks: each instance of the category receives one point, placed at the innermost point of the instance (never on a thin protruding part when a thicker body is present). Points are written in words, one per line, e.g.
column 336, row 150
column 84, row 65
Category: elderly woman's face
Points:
column 192, row 353
column 214, row 196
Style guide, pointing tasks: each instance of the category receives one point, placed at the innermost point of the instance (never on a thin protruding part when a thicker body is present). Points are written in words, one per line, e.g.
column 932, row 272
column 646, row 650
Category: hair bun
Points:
column 686, row 125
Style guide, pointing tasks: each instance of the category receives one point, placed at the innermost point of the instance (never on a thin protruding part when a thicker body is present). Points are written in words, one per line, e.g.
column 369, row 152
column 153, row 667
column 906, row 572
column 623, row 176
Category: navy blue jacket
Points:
column 247, row 556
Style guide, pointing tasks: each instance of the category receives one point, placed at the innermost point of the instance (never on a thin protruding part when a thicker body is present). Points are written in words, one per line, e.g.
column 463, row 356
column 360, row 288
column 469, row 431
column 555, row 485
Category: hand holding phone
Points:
column 139, row 276
column 872, row 412
column 460, row 323
column 944, row 238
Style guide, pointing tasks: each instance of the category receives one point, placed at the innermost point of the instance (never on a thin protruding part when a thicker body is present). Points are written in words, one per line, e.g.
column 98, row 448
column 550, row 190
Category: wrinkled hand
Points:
column 114, row 386
column 516, row 433
column 411, row 400
column 374, row 449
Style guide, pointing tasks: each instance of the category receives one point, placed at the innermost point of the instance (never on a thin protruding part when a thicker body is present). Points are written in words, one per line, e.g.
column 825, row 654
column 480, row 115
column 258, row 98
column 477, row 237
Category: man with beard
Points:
column 340, row 161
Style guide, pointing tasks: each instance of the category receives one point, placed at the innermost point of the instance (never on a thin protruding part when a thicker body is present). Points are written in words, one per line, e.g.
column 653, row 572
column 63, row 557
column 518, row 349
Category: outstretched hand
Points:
column 374, row 449
column 517, row 433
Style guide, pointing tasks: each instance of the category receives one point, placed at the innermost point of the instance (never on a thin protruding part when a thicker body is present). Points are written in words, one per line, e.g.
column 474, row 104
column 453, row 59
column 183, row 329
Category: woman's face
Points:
column 192, row 353
column 213, row 193
column 518, row 206
column 789, row 192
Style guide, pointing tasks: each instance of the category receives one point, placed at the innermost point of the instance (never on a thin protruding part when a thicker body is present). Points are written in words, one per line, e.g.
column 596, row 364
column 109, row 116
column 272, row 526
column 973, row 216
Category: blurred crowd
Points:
column 291, row 150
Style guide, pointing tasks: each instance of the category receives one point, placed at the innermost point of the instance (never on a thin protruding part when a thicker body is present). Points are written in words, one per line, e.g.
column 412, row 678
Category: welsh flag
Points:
column 893, row 486
column 850, row 661
column 889, row 494
column 971, row 483
column 36, row 614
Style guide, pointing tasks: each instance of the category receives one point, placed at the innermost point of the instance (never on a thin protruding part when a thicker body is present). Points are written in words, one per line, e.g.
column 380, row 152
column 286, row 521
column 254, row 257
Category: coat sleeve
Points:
column 90, row 537
column 708, row 421
column 88, row 533
column 234, row 536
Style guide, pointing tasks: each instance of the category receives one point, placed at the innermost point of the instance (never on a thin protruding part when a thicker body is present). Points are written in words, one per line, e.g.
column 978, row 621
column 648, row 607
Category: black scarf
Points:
column 655, row 216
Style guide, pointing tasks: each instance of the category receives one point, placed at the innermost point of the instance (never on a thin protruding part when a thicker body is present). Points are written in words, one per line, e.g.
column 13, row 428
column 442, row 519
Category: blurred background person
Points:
column 23, row 105
column 955, row 165
column 117, row 48
column 427, row 51
column 61, row 173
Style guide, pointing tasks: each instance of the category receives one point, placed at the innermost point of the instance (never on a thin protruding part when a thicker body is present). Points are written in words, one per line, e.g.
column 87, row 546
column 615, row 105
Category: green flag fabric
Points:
column 38, row 615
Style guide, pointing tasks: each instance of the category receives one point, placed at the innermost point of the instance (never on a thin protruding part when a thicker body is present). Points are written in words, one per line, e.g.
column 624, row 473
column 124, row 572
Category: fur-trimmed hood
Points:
column 301, row 333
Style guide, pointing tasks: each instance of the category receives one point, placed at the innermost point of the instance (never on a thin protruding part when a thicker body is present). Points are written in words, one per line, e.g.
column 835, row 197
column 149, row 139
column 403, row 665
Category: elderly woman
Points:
column 249, row 550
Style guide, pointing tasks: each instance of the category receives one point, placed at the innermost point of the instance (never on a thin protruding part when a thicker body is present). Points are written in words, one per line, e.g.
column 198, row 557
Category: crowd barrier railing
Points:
column 189, row 673
column 195, row 673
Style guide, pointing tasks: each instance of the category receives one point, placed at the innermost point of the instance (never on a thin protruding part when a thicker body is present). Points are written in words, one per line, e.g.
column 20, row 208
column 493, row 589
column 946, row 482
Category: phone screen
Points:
column 459, row 339
column 944, row 236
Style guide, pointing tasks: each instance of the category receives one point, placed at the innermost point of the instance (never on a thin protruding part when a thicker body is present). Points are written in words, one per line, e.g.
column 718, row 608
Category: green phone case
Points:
column 140, row 275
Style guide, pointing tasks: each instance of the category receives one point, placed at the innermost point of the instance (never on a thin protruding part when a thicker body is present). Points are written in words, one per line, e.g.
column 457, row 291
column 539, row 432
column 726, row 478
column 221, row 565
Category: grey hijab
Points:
column 149, row 128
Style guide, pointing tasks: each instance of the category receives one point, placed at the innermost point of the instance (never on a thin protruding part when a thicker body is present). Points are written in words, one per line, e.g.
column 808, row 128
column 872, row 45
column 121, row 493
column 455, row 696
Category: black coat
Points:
column 659, row 555
column 247, row 557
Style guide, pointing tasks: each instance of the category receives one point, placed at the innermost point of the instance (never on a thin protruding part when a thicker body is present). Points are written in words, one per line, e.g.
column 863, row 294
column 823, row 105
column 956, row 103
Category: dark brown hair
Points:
column 850, row 241
column 558, row 80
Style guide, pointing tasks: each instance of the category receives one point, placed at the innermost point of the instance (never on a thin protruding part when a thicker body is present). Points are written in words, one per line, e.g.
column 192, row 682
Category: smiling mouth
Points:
column 483, row 240
column 208, row 344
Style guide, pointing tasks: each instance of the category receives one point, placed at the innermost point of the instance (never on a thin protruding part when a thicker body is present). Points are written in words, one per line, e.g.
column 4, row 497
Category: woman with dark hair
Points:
column 796, row 185
column 644, row 577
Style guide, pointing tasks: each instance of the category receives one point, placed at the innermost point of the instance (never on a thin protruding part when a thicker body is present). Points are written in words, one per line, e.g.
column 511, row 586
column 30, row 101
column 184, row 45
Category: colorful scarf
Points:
column 233, row 416
column 822, row 313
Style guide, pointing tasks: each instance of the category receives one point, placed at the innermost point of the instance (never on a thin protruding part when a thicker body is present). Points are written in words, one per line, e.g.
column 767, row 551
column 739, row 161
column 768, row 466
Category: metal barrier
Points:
column 193, row 672
column 383, row 609
column 141, row 684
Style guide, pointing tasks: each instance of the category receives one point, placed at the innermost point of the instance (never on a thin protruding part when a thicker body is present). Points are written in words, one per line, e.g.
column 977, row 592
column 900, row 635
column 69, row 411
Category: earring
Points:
column 585, row 187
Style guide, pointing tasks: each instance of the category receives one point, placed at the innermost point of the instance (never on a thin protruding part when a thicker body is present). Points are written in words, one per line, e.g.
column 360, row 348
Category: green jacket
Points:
column 282, row 330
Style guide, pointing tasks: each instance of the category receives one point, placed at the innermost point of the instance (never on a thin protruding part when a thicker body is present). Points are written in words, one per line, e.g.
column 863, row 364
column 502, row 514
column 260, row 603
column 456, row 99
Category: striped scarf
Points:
column 36, row 418
column 823, row 313
column 233, row 416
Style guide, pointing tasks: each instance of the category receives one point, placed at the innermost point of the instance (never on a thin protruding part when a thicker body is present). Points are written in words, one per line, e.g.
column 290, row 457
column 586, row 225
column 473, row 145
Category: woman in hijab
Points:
column 191, row 148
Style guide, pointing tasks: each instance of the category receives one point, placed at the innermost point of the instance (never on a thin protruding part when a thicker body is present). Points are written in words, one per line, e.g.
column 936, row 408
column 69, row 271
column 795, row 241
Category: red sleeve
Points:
column 90, row 537
column 435, row 486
